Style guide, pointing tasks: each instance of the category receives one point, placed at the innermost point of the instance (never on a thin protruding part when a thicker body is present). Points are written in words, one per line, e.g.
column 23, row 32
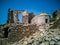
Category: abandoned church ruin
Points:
column 32, row 30
column 28, row 18
column 30, row 24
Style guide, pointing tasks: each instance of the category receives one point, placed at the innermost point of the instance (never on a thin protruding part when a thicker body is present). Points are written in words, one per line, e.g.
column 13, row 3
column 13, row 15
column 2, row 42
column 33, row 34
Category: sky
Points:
column 36, row 6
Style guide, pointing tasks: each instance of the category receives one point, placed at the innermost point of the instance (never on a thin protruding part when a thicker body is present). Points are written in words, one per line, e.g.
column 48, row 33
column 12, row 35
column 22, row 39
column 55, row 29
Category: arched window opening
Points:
column 20, row 17
column 46, row 20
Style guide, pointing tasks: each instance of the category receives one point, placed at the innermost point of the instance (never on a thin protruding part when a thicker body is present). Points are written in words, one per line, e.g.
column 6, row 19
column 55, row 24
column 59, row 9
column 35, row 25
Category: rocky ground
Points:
column 52, row 38
column 32, row 36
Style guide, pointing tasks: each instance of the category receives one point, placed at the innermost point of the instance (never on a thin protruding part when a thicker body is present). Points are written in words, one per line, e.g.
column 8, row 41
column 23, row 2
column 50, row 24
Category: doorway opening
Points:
column 46, row 20
column 20, row 17
column 6, row 32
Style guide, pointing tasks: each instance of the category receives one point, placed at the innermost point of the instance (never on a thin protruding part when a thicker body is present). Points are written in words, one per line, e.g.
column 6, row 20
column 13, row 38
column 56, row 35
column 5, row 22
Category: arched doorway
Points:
column 20, row 17
column 46, row 20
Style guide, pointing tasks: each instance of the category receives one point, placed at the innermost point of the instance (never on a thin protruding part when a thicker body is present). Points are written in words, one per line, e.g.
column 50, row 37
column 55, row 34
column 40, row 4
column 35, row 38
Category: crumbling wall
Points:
column 18, row 32
column 31, row 15
column 13, row 16
column 10, row 16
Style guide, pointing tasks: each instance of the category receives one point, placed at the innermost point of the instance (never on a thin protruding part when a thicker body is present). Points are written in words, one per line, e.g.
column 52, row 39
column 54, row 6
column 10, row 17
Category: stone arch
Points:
column 24, row 16
column 20, row 17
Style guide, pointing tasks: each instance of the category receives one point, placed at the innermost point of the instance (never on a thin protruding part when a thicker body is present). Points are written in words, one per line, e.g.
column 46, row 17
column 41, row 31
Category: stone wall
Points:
column 10, row 16
column 13, row 16
column 18, row 32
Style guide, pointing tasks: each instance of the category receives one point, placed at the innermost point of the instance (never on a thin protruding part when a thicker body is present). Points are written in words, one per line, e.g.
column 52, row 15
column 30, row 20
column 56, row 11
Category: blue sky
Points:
column 35, row 6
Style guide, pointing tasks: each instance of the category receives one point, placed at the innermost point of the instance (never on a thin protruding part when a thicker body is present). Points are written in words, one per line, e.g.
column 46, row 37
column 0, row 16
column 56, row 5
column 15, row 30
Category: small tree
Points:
column 54, row 15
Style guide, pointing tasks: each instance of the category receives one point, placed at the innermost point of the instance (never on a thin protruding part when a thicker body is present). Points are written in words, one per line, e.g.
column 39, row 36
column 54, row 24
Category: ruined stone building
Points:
column 33, row 30
column 13, row 16
column 29, row 21
column 27, row 18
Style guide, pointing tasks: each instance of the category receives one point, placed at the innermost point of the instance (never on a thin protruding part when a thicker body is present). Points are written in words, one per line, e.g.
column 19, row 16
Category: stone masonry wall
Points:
column 17, row 32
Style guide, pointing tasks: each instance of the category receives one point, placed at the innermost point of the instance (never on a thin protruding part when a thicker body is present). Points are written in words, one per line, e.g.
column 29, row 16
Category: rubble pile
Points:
column 52, row 38
column 30, row 35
